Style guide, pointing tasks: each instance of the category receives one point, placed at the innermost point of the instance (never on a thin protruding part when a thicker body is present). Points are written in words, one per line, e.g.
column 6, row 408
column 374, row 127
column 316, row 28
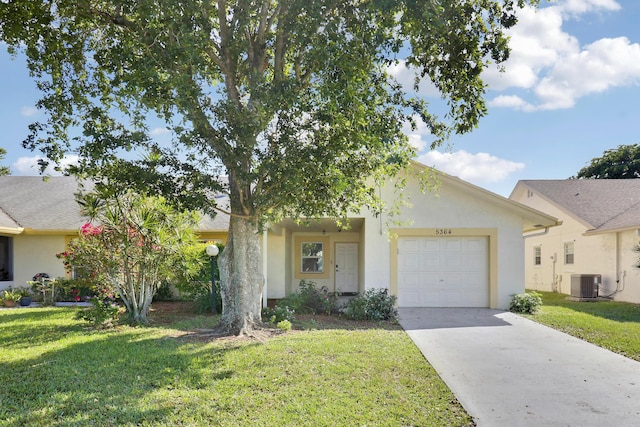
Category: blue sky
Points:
column 571, row 90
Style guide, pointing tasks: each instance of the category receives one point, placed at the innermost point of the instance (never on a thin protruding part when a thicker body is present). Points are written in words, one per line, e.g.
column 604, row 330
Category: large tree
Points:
column 290, row 101
column 4, row 170
column 617, row 163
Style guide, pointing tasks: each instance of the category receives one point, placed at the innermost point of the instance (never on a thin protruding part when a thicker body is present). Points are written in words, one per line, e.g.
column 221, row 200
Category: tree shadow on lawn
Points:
column 22, row 327
column 115, row 379
column 612, row 310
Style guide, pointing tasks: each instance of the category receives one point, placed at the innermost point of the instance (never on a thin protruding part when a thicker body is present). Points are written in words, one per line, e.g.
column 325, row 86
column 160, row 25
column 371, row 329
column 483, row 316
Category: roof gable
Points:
column 532, row 219
column 601, row 204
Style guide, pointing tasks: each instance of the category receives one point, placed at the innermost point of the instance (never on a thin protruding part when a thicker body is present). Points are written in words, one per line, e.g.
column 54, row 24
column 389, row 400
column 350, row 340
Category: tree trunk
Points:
column 241, row 278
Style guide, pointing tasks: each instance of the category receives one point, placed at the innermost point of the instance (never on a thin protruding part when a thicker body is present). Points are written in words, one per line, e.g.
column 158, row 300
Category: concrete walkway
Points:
column 509, row 371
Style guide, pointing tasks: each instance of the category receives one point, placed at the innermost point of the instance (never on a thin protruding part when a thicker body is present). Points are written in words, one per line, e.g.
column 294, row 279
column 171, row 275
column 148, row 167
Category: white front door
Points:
column 346, row 267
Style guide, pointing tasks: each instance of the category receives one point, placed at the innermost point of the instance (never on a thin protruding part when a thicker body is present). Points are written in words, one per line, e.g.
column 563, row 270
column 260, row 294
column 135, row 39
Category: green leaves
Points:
column 291, row 100
column 619, row 163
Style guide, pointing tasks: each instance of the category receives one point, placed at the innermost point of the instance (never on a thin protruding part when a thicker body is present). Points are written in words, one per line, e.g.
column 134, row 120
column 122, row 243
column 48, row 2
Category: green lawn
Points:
column 56, row 372
column 608, row 324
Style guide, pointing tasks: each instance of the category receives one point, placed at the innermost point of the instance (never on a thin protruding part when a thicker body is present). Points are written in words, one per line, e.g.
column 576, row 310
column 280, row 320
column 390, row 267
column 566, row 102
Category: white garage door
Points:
column 443, row 272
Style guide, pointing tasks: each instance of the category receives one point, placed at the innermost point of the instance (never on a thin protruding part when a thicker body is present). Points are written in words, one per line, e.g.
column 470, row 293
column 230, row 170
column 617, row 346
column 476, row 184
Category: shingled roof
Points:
column 34, row 203
column 603, row 204
column 41, row 204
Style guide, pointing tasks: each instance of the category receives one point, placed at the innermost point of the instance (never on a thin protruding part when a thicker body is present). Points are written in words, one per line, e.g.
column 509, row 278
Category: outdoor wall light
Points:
column 213, row 251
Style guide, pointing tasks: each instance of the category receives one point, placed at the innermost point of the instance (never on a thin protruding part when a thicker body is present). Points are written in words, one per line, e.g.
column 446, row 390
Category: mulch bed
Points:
column 164, row 313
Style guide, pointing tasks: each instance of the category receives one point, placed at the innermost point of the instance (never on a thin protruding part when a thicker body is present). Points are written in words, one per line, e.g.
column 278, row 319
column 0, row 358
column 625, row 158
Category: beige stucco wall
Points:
column 629, row 275
column 464, row 210
column 35, row 254
column 277, row 277
column 610, row 255
column 451, row 208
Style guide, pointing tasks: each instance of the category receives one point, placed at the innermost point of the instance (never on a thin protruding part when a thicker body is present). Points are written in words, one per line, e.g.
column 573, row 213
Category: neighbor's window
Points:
column 6, row 262
column 312, row 258
column 568, row 253
column 537, row 255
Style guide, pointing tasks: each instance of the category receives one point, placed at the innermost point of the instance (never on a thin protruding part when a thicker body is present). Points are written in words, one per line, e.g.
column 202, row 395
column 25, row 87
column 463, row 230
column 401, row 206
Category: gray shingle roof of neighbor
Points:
column 6, row 221
column 604, row 204
column 32, row 202
column 41, row 204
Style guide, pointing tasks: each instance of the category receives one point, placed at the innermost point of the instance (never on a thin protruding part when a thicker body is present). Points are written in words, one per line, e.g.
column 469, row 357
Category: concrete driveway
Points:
column 509, row 371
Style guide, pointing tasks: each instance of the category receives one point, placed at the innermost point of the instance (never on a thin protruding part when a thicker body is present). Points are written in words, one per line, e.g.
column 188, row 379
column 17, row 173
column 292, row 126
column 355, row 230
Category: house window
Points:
column 312, row 257
column 568, row 253
column 537, row 255
column 6, row 261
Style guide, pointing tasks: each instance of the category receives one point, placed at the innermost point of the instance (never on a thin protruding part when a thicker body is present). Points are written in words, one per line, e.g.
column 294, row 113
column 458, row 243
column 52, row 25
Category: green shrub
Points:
column 525, row 303
column 284, row 325
column 164, row 293
column 104, row 312
column 312, row 300
column 375, row 304
column 356, row 308
column 200, row 293
column 277, row 314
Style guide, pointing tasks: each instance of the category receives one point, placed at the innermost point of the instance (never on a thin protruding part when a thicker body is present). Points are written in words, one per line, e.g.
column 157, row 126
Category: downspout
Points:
column 619, row 275
column 554, row 277
column 380, row 201
column 264, row 266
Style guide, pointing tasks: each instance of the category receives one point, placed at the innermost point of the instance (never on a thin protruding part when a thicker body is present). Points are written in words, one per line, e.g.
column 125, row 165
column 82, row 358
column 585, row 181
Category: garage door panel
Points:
column 443, row 272
column 430, row 262
column 410, row 262
column 453, row 261
column 478, row 245
column 474, row 281
column 475, row 263
column 451, row 245
column 429, row 245
column 409, row 245
column 450, row 279
column 431, row 280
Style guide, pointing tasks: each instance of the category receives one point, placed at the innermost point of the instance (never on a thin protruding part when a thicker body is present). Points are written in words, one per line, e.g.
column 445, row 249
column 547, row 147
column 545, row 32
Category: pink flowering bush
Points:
column 139, row 243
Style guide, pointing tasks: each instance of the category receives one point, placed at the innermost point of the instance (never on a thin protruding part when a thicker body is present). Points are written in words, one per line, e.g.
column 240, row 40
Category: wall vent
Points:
column 585, row 285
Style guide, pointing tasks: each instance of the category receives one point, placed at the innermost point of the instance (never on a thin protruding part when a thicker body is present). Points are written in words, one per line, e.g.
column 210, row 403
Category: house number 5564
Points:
column 440, row 231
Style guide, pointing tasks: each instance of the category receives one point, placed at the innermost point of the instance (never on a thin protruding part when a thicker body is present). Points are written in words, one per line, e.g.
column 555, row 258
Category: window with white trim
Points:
column 537, row 255
column 6, row 259
column 312, row 257
column 568, row 253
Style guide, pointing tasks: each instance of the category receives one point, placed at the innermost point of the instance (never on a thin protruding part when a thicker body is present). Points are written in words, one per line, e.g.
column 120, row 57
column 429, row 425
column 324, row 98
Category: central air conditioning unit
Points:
column 585, row 285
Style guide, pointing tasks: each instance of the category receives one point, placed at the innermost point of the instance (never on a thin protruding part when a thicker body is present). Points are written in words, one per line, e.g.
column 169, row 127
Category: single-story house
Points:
column 38, row 218
column 457, row 246
column 599, row 231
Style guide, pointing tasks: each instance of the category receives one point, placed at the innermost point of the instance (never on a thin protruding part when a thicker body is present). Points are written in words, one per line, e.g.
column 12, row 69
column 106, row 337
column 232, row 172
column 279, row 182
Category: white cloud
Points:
column 28, row 111
column 584, row 6
column 602, row 65
column 416, row 136
column 511, row 101
column 406, row 77
column 159, row 131
column 27, row 166
column 479, row 168
column 551, row 64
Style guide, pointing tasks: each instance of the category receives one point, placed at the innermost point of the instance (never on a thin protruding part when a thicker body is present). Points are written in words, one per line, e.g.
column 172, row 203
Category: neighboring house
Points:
column 38, row 217
column 458, row 246
column 599, row 231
